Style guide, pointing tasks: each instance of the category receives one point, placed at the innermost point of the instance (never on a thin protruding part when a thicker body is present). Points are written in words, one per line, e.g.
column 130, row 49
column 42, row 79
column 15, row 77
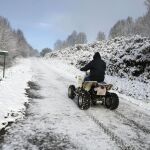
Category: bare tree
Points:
column 81, row 38
column 147, row 3
column 128, row 27
column 13, row 41
column 72, row 38
column 58, row 45
column 100, row 36
column 123, row 28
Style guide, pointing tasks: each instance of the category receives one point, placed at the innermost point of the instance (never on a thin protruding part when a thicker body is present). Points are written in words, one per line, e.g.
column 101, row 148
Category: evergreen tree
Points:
column 45, row 51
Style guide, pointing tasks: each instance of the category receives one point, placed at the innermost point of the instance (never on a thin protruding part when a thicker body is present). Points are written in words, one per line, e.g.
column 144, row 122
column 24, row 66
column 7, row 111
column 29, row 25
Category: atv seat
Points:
column 88, row 84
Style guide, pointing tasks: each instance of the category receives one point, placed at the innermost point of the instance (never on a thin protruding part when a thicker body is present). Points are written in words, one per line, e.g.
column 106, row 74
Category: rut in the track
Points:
column 120, row 143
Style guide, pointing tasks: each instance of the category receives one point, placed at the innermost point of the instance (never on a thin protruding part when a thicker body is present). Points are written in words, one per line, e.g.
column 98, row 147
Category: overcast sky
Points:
column 45, row 21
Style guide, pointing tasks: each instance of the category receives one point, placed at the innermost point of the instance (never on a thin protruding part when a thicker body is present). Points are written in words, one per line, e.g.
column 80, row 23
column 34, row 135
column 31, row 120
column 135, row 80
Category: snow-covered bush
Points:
column 126, row 57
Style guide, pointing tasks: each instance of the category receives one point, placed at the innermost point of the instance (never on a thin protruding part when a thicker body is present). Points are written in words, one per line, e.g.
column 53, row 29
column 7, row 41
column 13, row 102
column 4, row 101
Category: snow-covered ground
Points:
column 127, row 59
column 12, row 89
column 53, row 121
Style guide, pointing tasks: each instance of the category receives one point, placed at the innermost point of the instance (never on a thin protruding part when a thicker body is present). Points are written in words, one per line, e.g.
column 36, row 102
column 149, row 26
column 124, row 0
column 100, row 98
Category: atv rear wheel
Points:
column 71, row 91
column 84, row 100
column 111, row 101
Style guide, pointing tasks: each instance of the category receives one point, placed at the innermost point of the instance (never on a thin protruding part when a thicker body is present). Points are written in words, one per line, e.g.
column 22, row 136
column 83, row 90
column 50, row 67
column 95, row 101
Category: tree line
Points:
column 124, row 27
column 72, row 39
column 76, row 38
column 127, row 27
column 13, row 41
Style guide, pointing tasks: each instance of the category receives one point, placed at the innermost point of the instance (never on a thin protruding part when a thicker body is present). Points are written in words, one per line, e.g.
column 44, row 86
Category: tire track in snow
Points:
column 120, row 143
column 133, row 123
column 114, row 137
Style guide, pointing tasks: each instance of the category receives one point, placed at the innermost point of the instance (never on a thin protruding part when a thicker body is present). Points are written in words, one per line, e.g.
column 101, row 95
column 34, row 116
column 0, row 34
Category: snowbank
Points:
column 127, row 58
column 12, row 97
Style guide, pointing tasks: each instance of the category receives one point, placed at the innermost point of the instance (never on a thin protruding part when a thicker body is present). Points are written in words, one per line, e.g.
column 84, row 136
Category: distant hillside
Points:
column 126, row 57
column 13, row 41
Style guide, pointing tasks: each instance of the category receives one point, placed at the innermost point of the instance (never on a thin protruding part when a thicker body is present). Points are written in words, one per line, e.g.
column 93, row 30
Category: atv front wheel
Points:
column 111, row 101
column 71, row 91
column 84, row 100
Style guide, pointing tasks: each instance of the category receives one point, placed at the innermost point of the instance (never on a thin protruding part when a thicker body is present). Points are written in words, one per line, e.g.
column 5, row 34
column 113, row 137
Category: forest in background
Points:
column 14, row 42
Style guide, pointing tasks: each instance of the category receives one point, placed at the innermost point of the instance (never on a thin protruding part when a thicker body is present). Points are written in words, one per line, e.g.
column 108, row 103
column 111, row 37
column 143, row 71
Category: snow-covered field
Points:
column 53, row 121
column 12, row 89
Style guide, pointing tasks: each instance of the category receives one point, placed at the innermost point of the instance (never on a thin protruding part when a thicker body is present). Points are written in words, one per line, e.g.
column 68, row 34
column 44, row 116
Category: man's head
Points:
column 97, row 56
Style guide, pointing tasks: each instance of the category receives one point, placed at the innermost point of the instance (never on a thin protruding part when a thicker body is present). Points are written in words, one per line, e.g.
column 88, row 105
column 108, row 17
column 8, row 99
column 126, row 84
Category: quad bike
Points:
column 91, row 92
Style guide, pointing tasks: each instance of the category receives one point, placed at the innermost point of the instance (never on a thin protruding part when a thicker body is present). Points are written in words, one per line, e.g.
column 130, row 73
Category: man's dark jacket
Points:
column 97, row 68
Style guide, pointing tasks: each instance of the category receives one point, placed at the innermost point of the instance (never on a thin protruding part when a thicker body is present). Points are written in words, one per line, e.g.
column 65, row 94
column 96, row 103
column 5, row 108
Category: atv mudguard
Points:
column 100, row 88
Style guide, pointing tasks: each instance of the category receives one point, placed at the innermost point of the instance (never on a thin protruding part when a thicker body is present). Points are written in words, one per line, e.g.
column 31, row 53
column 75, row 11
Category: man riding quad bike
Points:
column 92, row 88
column 97, row 69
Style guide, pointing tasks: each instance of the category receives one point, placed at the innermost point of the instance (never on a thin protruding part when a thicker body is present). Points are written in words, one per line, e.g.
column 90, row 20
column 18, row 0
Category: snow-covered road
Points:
column 54, row 122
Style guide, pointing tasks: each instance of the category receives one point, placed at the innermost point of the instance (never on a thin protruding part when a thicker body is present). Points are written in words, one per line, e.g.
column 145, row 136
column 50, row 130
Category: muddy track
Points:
column 120, row 143
column 133, row 123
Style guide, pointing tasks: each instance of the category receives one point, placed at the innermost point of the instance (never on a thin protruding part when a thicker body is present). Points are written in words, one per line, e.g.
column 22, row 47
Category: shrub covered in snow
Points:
column 126, row 57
